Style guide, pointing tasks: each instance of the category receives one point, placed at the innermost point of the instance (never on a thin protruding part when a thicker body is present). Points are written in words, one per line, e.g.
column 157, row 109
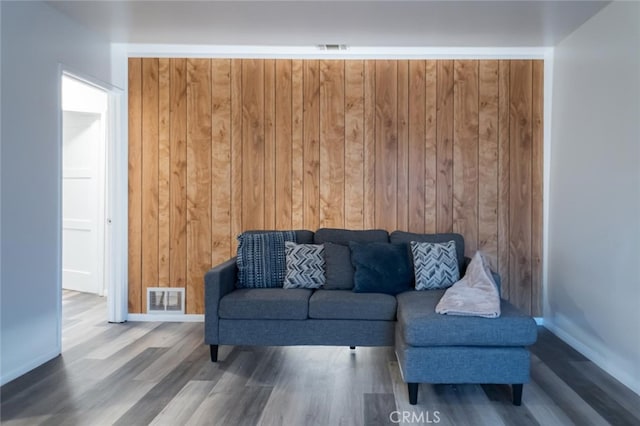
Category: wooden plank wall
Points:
column 218, row 146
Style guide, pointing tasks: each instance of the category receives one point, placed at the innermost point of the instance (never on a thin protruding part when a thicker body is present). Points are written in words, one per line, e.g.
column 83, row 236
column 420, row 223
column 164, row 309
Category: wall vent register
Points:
column 165, row 300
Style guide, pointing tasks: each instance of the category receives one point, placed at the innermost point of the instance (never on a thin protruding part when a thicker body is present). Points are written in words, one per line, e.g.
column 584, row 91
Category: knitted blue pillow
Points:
column 261, row 258
column 381, row 268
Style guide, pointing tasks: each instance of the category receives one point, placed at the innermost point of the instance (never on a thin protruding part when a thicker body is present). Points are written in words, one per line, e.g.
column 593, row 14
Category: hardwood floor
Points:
column 160, row 374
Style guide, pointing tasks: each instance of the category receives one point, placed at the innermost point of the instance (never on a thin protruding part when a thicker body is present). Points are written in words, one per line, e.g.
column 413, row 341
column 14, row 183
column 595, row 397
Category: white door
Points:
column 83, row 137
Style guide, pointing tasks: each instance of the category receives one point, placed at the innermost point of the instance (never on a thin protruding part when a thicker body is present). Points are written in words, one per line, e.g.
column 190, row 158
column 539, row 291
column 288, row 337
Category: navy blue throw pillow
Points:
column 261, row 258
column 381, row 268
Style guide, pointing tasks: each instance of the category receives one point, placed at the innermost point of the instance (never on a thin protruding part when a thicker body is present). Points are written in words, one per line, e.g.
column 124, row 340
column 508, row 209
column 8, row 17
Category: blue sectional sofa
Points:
column 431, row 348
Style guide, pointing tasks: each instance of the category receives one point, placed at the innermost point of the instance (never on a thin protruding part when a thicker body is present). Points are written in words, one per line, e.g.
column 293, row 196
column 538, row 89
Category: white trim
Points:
column 546, row 174
column 165, row 318
column 92, row 81
column 539, row 320
column 120, row 182
column 601, row 358
column 59, row 222
column 312, row 52
column 25, row 368
column 116, row 220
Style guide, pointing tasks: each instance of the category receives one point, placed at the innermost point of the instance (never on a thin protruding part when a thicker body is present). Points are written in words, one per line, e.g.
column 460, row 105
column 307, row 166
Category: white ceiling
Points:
column 355, row 23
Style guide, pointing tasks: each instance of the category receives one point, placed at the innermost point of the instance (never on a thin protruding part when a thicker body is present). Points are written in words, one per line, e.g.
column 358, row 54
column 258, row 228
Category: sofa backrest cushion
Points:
column 302, row 235
column 338, row 269
column 344, row 236
column 407, row 237
column 381, row 268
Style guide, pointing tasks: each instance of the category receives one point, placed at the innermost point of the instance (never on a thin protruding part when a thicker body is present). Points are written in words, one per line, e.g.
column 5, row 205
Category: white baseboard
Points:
column 25, row 368
column 601, row 357
column 165, row 318
column 539, row 320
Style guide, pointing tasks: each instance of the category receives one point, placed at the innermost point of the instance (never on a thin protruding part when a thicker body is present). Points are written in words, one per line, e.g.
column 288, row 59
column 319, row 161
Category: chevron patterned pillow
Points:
column 435, row 265
column 305, row 265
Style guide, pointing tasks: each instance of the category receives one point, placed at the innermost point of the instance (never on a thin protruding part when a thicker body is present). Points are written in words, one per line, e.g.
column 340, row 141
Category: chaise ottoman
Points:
column 435, row 348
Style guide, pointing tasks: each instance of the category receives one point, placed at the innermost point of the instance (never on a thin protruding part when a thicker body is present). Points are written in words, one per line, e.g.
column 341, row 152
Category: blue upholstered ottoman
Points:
column 434, row 348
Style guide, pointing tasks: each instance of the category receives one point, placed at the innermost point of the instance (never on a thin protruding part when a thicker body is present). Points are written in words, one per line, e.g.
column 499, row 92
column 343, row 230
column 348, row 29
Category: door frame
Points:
column 115, row 199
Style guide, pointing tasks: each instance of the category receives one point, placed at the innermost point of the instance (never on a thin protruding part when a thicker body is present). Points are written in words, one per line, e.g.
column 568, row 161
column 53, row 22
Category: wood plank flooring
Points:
column 160, row 374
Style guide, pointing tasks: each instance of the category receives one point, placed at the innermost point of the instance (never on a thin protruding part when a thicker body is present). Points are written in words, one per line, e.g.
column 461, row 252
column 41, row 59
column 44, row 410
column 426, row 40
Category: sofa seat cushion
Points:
column 345, row 304
column 265, row 303
column 422, row 326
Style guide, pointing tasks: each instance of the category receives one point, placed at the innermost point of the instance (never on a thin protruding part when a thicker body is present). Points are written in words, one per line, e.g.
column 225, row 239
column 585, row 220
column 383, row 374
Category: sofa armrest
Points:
column 496, row 276
column 218, row 281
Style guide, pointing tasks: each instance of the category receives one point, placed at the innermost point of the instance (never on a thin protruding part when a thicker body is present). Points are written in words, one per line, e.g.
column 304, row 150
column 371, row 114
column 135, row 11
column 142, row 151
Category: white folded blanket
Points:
column 476, row 294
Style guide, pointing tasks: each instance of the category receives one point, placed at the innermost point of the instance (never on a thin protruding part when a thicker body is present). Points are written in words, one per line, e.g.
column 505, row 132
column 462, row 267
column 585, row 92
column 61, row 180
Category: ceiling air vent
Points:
column 332, row 47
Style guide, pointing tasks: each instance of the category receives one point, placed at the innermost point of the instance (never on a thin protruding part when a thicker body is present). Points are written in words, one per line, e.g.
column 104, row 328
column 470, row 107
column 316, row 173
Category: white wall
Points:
column 36, row 39
column 593, row 282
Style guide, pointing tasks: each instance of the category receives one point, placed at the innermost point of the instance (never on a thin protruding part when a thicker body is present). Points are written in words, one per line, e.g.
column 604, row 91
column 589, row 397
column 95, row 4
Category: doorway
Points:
column 84, row 161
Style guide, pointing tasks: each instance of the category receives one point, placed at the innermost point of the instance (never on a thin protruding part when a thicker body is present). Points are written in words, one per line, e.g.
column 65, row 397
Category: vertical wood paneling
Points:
column 354, row 145
column 402, row 201
column 465, row 153
column 537, row 162
column 503, row 175
column 430, row 151
column 520, row 184
column 149, row 176
column 444, row 147
column 284, row 144
column 220, row 160
column 198, row 180
column 488, row 162
column 332, row 145
column 386, row 126
column 297, row 144
column 220, row 146
column 269, row 144
column 178, row 195
column 369, row 144
column 236, row 152
column 135, row 186
column 253, row 148
column 164, row 173
column 417, row 146
column 311, row 145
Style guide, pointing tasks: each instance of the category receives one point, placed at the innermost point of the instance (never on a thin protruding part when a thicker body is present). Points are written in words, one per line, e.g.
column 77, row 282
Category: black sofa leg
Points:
column 517, row 394
column 214, row 353
column 413, row 393
column 352, row 347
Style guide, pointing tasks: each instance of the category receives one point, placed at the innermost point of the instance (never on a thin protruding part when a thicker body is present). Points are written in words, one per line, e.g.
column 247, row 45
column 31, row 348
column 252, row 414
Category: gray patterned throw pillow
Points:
column 435, row 265
column 305, row 265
